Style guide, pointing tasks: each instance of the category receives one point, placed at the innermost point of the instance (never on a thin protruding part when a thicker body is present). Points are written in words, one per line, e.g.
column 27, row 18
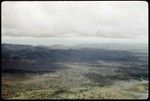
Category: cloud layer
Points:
column 115, row 19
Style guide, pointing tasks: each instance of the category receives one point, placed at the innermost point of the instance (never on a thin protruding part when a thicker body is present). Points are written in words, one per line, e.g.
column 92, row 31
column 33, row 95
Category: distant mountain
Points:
column 59, row 47
column 16, row 47
column 10, row 51
column 42, row 57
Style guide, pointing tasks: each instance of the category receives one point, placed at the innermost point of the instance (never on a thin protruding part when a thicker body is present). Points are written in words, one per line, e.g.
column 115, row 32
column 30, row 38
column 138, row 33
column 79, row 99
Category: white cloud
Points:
column 116, row 19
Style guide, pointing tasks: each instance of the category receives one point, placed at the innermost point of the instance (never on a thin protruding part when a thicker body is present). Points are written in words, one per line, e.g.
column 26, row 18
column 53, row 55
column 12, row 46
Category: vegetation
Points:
column 73, row 74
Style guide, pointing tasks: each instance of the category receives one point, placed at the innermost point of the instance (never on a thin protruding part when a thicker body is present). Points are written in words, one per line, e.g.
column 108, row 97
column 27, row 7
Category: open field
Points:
column 77, row 82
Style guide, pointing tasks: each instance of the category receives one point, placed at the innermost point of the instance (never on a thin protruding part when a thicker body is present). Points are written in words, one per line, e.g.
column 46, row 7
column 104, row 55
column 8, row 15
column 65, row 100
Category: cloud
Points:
column 127, row 19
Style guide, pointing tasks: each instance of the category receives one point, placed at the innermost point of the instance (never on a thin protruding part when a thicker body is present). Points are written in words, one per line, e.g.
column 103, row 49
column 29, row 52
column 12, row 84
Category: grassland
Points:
column 79, row 81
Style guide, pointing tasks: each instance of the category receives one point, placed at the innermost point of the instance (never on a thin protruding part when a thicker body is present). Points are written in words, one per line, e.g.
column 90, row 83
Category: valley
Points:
column 100, row 78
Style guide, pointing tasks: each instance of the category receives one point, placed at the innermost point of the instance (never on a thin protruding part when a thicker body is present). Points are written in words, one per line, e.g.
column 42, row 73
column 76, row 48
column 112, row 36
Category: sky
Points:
column 74, row 22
